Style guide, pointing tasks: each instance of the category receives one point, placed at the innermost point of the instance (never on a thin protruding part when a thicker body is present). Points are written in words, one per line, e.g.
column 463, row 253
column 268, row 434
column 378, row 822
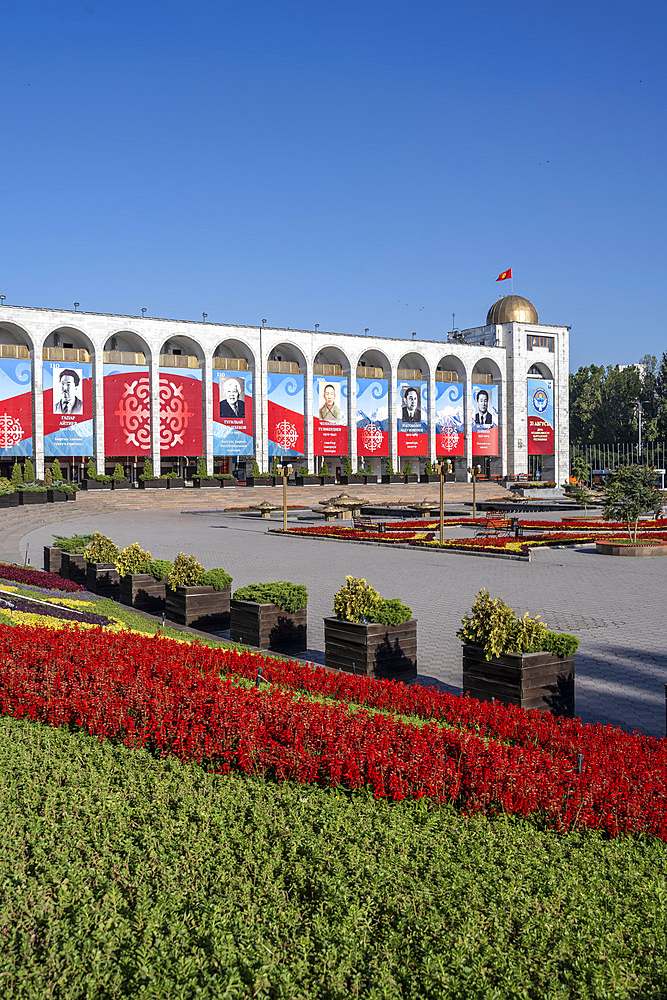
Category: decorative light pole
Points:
column 474, row 471
column 442, row 468
column 286, row 471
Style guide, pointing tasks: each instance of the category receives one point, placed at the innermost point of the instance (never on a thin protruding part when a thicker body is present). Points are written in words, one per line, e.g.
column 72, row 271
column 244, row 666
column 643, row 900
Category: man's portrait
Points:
column 232, row 398
column 412, row 413
column 67, row 391
column 483, row 414
column 329, row 408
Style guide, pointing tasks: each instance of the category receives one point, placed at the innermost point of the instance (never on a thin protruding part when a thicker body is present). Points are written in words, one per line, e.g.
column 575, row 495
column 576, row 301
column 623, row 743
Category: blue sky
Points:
column 367, row 164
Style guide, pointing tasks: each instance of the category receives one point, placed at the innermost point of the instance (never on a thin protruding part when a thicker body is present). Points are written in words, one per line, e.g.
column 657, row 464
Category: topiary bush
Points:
column 17, row 475
column 254, row 471
column 407, row 468
column 389, row 468
column 216, row 578
column 201, row 472
column 324, row 469
column 28, row 471
column 118, row 474
column 390, row 611
column 187, row 572
column 159, row 569
column 132, row 559
column 101, row 549
column 495, row 627
column 347, row 467
column 287, row 596
column 56, row 471
column 147, row 471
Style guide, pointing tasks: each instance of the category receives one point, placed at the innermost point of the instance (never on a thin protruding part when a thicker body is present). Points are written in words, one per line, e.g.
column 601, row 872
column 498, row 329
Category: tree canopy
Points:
column 603, row 401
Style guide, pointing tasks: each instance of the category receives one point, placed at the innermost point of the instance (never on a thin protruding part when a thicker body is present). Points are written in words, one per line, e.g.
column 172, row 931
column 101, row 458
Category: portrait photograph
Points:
column 411, row 405
column 68, row 390
column 329, row 403
column 483, row 415
column 232, row 398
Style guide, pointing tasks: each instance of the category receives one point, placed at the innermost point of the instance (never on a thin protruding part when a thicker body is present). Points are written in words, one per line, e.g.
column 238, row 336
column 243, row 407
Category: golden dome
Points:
column 512, row 309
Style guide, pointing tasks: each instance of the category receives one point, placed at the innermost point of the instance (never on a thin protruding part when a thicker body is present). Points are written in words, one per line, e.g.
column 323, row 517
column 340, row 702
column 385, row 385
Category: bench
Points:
column 494, row 526
column 365, row 524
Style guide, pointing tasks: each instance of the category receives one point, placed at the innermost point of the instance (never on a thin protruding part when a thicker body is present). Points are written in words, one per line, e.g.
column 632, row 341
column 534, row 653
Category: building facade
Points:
column 124, row 388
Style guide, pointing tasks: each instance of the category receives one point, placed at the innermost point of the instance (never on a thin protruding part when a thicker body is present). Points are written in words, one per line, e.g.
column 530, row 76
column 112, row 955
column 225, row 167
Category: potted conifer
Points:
column 325, row 478
column 304, row 478
column 256, row 478
column 408, row 475
column 148, row 480
column 118, row 478
column 388, row 476
column 93, row 480
column 201, row 478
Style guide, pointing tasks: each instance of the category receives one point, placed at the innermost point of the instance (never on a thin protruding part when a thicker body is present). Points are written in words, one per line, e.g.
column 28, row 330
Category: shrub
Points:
column 347, row 467
column 201, row 472
column 628, row 493
column 254, row 471
column 48, row 478
column 118, row 474
column 28, row 471
column 390, row 611
column 303, row 470
column 495, row 627
column 17, row 475
column 159, row 569
column 101, row 549
column 287, row 596
column 6, row 485
column 355, row 600
column 169, row 475
column 389, row 468
column 56, row 471
column 276, row 468
column 216, row 578
column 187, row 572
column 147, row 471
column 91, row 469
column 428, row 468
column 223, row 475
column 132, row 559
column 324, row 469
column 75, row 544
column 407, row 468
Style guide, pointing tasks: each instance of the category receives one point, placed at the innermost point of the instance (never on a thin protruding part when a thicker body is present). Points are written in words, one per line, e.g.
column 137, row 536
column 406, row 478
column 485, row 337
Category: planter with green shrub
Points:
column 118, row 479
column 74, row 544
column 197, row 597
column 389, row 476
column 201, row 478
column 101, row 555
column 370, row 634
column 8, row 495
column 270, row 616
column 325, row 477
column 142, row 579
column 516, row 660
column 93, row 480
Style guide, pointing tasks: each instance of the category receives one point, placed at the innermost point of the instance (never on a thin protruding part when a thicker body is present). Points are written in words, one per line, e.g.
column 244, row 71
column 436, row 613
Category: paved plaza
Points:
column 615, row 606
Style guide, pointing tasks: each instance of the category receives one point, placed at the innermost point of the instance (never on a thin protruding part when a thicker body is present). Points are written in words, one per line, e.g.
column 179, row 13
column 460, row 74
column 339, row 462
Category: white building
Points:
column 474, row 394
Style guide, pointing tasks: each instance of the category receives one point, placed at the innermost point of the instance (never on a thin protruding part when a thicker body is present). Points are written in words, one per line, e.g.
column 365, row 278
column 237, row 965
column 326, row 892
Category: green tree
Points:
column 324, row 469
column 118, row 474
column 17, row 475
column 56, row 472
column 91, row 469
column 275, row 468
column 628, row 493
column 28, row 471
column 347, row 467
column 389, row 468
column 201, row 472
column 148, row 470
column 254, row 471
column 580, row 469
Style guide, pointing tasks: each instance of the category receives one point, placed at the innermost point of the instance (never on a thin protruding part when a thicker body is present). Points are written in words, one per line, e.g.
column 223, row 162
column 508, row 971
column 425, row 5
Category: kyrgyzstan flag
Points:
column 505, row 275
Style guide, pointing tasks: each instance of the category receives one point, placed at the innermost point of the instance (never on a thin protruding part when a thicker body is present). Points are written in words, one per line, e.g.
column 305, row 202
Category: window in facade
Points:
column 544, row 342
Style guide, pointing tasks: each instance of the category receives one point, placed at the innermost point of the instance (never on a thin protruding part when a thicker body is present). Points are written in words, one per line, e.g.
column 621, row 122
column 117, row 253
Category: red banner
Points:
column 285, row 430
column 412, row 443
column 181, row 431
column 127, row 410
column 329, row 439
column 540, row 437
column 372, row 441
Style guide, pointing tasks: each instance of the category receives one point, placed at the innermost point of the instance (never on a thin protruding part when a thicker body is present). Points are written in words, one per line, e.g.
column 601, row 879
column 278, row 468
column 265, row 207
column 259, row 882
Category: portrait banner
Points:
column 412, row 417
column 15, row 407
column 330, row 415
column 181, row 427
column 484, row 419
column 449, row 425
column 285, row 413
column 373, row 417
column 68, row 408
column 232, row 412
column 540, row 416
column 127, row 410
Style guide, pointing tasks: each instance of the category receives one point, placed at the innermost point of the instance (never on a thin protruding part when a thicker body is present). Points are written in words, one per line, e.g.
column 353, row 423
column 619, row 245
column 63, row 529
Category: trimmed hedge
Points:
column 287, row 596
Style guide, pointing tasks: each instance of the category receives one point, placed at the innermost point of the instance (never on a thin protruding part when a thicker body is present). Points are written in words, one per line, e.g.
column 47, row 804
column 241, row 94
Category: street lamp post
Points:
column 474, row 471
column 286, row 471
column 442, row 468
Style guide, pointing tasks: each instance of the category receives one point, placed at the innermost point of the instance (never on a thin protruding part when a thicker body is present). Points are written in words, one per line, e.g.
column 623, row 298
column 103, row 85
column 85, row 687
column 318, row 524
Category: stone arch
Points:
column 451, row 363
column 124, row 341
column 236, row 350
column 372, row 358
column 179, row 345
column 539, row 370
column 69, row 338
column 287, row 352
column 11, row 334
column 486, row 367
column 331, row 355
column 414, row 361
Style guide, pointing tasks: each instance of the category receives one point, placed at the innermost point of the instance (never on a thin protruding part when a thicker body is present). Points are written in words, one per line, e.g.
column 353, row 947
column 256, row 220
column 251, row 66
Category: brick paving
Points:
column 615, row 606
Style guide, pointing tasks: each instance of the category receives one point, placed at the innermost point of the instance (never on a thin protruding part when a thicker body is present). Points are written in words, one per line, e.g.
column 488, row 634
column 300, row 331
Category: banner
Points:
column 285, row 414
column 330, row 415
column 373, row 417
column 540, row 416
column 181, row 430
column 412, row 410
column 232, row 413
column 484, row 419
column 449, row 434
column 15, row 407
column 127, row 410
column 68, row 408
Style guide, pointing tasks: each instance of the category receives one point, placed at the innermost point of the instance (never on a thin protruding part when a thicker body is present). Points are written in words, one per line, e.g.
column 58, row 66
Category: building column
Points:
column 37, row 409
column 352, row 419
column 308, row 442
column 155, row 412
column 393, row 422
column 98, row 409
column 207, row 402
column 432, row 455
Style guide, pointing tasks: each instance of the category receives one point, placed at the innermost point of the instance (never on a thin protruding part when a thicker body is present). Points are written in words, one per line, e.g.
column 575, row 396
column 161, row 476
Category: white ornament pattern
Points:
column 11, row 431
column 372, row 437
column 286, row 435
column 448, row 437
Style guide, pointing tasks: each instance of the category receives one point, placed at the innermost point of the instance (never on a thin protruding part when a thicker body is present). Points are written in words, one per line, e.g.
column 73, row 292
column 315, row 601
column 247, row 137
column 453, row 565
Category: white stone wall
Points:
column 508, row 360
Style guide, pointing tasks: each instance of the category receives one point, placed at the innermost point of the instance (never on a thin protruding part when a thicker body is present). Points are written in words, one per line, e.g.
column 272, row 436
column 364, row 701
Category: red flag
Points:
column 505, row 275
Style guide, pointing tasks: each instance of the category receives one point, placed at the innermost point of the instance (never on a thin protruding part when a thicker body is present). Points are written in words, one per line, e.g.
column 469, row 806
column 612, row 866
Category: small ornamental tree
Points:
column 148, row 470
column 28, row 471
column 407, row 468
column 628, row 493
column 133, row 559
column 428, row 468
column 580, row 469
column 389, row 468
column 17, row 475
column 101, row 549
column 56, row 472
column 324, row 469
column 276, row 468
column 91, row 471
column 201, row 472
column 48, row 478
column 254, row 471
column 347, row 467
column 118, row 474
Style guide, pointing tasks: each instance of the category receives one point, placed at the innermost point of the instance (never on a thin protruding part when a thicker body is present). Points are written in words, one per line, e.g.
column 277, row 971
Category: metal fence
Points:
column 610, row 456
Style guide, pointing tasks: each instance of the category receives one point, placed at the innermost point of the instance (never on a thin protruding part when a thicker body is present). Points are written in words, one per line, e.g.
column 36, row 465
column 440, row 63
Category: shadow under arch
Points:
column 539, row 370
column 122, row 344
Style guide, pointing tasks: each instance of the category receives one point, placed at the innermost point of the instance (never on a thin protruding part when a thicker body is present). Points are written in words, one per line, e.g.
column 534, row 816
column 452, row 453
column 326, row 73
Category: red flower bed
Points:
column 37, row 578
column 335, row 531
column 174, row 700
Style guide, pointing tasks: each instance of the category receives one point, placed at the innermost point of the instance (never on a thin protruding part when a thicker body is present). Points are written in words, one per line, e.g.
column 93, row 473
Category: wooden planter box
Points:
column 70, row 496
column 614, row 549
column 326, row 480
column 199, row 607
column 268, row 627
column 93, row 484
column 142, row 591
column 73, row 567
column 102, row 579
column 411, row 478
column 55, row 496
column 388, row 651
column 391, row 479
column 352, row 480
column 175, row 484
column 52, row 559
column 227, row 482
column 307, row 480
column 259, row 481
column 530, row 680
column 204, row 483
column 123, row 484
column 9, row 500
column 29, row 496
column 153, row 484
